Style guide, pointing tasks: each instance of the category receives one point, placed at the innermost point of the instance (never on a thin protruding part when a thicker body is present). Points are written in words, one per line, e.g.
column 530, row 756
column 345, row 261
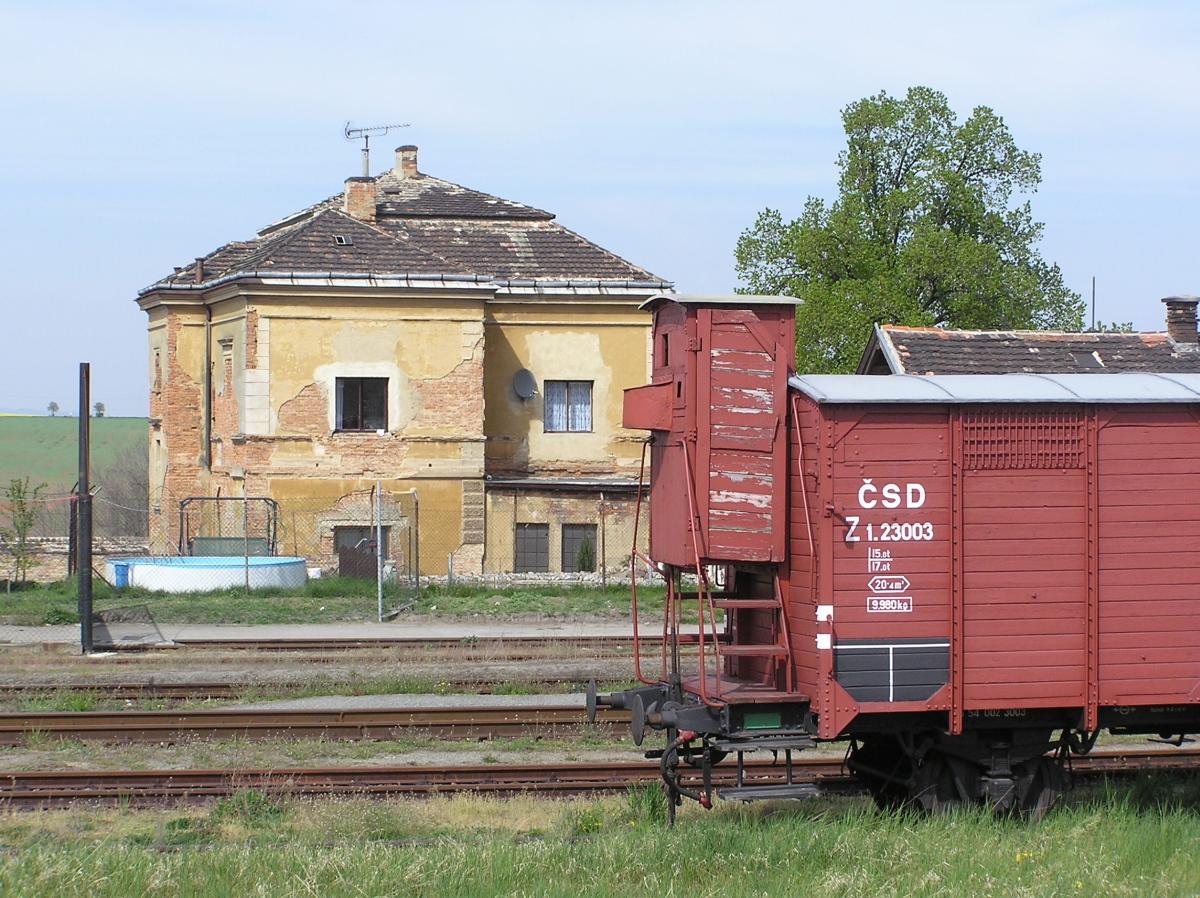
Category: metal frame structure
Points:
column 272, row 530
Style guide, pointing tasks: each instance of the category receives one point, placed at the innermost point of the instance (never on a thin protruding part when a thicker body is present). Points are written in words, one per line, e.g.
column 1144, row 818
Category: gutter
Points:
column 411, row 278
column 312, row 275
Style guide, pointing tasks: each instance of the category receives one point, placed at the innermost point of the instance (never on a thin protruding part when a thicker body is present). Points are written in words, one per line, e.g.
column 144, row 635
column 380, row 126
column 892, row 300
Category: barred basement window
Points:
column 578, row 548
column 531, row 548
column 1001, row 440
column 362, row 403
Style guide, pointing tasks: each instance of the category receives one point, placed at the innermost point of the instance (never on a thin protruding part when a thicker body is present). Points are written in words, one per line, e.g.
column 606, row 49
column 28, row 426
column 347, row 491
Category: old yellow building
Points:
column 460, row 348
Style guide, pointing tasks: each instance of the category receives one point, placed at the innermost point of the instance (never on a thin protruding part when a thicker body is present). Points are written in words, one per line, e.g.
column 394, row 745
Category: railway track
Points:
column 47, row 789
column 199, row 690
column 372, row 723
column 511, row 646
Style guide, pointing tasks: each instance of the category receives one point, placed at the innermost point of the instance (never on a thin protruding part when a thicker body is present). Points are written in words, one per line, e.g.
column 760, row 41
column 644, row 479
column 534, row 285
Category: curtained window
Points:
column 567, row 406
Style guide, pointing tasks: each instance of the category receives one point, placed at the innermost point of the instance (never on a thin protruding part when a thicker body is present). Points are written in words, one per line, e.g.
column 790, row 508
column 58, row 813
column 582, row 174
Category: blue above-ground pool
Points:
column 170, row 573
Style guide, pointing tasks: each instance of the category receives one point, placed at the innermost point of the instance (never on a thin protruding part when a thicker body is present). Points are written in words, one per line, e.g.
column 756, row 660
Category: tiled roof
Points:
column 423, row 225
column 516, row 249
column 923, row 350
column 331, row 240
column 424, row 196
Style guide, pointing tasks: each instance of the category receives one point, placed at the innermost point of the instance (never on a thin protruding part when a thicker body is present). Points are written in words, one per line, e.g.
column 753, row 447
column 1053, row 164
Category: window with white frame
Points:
column 567, row 406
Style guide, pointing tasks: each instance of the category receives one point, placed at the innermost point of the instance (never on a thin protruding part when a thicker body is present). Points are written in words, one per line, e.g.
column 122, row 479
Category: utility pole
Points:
column 83, row 498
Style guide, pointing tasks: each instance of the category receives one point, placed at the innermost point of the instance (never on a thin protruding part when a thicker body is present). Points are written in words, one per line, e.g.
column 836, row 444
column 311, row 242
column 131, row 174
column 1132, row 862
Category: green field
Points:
column 45, row 448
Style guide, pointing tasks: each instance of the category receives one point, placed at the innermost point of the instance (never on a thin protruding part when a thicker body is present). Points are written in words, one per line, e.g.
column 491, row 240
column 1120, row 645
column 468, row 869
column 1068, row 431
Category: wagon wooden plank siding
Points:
column 1149, row 530
column 960, row 573
column 994, row 555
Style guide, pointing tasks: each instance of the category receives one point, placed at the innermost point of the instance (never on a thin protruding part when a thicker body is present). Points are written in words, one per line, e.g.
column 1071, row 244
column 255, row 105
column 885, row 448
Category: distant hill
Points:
column 45, row 448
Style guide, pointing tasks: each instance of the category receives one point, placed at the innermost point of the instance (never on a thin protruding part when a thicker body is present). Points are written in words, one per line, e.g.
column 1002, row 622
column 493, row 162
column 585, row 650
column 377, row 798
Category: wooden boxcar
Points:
column 968, row 577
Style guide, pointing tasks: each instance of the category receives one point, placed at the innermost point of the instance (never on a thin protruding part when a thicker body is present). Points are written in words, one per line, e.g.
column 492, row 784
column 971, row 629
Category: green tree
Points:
column 926, row 229
column 99, row 409
column 1112, row 327
column 21, row 499
column 52, row 408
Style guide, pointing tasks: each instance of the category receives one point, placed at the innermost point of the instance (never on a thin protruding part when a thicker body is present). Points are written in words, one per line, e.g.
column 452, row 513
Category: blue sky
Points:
column 138, row 136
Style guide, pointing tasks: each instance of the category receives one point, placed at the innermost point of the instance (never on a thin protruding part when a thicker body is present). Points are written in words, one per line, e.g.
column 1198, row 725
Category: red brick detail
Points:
column 251, row 338
column 306, row 412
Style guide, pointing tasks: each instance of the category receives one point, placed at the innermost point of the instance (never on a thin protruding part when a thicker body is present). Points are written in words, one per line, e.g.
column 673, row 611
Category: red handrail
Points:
column 633, row 557
column 701, row 592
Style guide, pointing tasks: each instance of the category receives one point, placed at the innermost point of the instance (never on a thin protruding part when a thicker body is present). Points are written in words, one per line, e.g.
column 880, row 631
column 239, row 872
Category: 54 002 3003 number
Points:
column 888, row 531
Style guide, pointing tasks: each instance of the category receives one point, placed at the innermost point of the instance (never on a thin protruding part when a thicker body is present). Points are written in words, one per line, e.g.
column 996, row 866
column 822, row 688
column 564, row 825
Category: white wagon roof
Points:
column 1094, row 389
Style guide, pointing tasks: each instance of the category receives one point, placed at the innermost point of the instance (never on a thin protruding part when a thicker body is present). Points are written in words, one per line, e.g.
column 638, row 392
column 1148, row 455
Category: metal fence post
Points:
column 379, row 547
column 603, row 545
column 245, row 534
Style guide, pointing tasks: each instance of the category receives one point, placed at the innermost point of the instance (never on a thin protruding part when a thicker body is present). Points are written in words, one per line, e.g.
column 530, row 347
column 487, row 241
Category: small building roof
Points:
column 1128, row 387
column 735, row 299
column 893, row 349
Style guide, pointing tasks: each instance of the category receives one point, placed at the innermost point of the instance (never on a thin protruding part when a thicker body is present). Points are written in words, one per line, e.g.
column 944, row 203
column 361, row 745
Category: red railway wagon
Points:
column 967, row 577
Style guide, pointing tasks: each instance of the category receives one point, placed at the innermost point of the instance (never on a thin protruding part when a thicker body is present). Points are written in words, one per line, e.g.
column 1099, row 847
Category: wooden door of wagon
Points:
column 1149, row 533
column 1025, row 558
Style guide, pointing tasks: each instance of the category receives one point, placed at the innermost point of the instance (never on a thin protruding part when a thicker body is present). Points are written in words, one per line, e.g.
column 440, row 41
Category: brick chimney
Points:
column 1181, row 318
column 406, row 162
column 360, row 198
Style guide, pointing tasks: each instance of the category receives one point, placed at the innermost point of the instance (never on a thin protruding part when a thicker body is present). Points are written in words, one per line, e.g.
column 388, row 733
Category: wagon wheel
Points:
column 938, row 784
column 885, row 768
column 1039, row 783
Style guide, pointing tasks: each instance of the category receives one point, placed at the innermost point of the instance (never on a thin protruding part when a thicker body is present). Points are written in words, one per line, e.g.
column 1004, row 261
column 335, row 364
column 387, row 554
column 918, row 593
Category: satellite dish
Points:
column 524, row 383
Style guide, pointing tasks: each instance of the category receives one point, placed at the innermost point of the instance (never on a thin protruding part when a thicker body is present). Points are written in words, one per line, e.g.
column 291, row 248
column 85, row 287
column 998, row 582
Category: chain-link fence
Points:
column 564, row 535
column 308, row 552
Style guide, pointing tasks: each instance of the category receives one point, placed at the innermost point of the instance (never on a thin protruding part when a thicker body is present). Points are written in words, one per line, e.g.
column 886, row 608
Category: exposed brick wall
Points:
column 456, row 399
column 304, row 413
column 251, row 338
column 48, row 556
column 179, row 407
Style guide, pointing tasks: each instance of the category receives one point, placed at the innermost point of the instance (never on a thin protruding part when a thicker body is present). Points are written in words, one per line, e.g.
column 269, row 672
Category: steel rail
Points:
column 511, row 646
column 197, row 689
column 46, row 789
column 362, row 723
column 504, row 643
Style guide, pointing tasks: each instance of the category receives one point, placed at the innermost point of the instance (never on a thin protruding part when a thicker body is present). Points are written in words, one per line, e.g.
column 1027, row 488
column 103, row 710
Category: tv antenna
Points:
column 366, row 134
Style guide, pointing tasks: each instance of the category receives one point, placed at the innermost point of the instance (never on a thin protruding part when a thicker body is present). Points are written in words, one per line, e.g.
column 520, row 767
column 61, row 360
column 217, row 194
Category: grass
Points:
column 51, row 699
column 44, row 448
column 1133, row 841
column 328, row 599
column 43, row 751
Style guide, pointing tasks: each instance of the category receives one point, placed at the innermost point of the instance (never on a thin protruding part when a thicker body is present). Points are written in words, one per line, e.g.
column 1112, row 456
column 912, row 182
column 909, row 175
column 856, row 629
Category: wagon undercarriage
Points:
column 901, row 763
